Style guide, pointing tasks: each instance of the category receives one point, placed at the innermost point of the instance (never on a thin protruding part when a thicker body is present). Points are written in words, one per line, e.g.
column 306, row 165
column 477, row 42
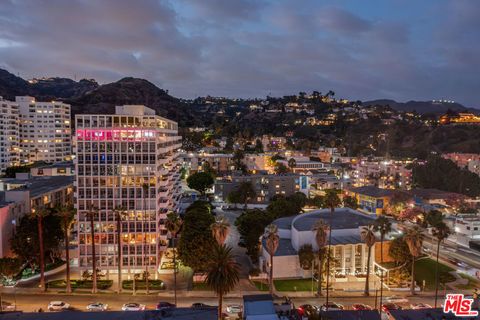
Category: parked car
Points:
column 97, row 306
column 200, row 305
column 396, row 299
column 133, row 306
column 386, row 307
column 332, row 306
column 234, row 308
column 418, row 306
column 58, row 306
column 307, row 310
column 361, row 306
column 165, row 305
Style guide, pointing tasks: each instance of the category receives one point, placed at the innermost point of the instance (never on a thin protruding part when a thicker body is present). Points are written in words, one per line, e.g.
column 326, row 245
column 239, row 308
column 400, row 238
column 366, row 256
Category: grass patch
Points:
column 294, row 285
column 425, row 270
column 141, row 285
column 473, row 283
column 80, row 284
column 260, row 285
column 201, row 286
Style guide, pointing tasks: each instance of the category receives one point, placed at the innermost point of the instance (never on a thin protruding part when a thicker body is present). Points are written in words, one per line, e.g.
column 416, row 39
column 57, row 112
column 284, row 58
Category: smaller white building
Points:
column 467, row 229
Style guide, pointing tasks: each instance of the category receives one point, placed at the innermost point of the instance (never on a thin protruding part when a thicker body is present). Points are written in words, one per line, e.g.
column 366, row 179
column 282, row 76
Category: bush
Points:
column 140, row 285
column 80, row 284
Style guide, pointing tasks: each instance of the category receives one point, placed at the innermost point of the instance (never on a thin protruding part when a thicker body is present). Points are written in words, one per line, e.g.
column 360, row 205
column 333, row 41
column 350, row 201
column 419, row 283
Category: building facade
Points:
column 9, row 134
column 126, row 160
column 45, row 133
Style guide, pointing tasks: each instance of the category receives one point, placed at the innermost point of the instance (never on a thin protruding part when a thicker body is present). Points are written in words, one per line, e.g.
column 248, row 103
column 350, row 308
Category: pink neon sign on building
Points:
column 115, row 135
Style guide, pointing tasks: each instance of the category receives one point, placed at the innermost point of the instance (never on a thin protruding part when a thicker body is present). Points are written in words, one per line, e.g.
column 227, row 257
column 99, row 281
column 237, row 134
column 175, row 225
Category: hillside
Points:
column 131, row 91
column 43, row 89
column 421, row 107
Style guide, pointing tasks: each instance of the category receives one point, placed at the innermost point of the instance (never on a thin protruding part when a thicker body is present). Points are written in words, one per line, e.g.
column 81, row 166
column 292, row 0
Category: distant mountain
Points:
column 421, row 107
column 43, row 89
column 131, row 91
column 86, row 96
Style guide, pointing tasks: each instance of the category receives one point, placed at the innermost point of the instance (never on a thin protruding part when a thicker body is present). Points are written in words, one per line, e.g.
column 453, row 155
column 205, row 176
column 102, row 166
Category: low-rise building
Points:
column 370, row 199
column 467, row 229
column 296, row 231
column 387, row 174
column 220, row 162
column 265, row 185
column 303, row 164
column 66, row 168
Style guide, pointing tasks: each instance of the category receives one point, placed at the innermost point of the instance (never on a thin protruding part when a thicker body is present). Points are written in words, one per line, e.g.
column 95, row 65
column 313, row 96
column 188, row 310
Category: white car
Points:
column 332, row 306
column 396, row 299
column 133, row 307
column 234, row 308
column 419, row 306
column 58, row 306
column 97, row 306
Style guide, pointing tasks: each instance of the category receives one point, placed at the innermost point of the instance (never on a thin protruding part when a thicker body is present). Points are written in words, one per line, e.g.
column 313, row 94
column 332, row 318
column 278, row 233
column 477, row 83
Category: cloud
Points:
column 251, row 48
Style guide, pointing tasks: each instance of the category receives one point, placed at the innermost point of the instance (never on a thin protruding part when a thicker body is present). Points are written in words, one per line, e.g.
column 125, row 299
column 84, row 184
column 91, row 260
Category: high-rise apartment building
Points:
column 126, row 160
column 9, row 135
column 45, row 133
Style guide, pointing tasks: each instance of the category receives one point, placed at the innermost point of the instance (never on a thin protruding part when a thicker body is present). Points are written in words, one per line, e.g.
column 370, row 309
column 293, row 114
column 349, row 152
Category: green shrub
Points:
column 80, row 284
column 140, row 285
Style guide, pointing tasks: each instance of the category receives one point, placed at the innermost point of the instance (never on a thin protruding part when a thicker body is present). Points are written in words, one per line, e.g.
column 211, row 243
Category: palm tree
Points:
column 292, row 163
column 66, row 213
column 222, row 273
column 383, row 226
column 146, row 260
column 330, row 201
column 367, row 233
column 91, row 213
column 220, row 229
column 39, row 214
column 440, row 231
column 173, row 225
column 321, row 230
column 119, row 215
column 271, row 242
column 414, row 238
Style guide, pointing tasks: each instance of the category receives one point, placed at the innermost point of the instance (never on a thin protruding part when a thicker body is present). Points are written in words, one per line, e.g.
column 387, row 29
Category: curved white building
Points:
column 296, row 231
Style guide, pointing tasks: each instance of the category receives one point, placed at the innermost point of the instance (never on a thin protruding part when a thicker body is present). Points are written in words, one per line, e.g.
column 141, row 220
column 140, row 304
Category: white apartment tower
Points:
column 126, row 160
column 45, row 133
column 9, row 135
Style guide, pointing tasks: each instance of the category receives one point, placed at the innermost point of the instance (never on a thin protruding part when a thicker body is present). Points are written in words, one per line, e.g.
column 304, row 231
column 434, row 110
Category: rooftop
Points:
column 63, row 164
column 342, row 218
column 372, row 191
column 39, row 185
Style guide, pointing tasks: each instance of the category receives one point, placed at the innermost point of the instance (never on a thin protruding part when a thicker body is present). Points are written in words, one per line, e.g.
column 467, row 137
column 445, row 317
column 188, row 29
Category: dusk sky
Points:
column 396, row 49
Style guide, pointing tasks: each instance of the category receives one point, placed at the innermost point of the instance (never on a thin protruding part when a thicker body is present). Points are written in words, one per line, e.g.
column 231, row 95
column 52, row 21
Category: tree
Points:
column 200, row 181
column 39, row 214
column 331, row 201
column 234, row 197
column 207, row 168
column 222, row 273
column 9, row 267
column 414, row 239
column 350, row 202
column 173, row 225
column 237, row 160
column 220, row 229
column 196, row 240
column 258, row 146
column 251, row 225
column 367, row 233
column 92, row 213
column 272, row 241
column 280, row 168
column 384, row 227
column 306, row 256
column 399, row 251
column 433, row 218
column 23, row 242
column 66, row 213
column 292, row 163
column 246, row 192
column 120, row 214
column 321, row 231
column 440, row 231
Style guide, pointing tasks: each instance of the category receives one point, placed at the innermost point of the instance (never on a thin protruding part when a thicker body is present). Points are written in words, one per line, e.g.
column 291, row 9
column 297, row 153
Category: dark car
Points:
column 307, row 310
column 361, row 306
column 165, row 305
column 200, row 305
column 386, row 307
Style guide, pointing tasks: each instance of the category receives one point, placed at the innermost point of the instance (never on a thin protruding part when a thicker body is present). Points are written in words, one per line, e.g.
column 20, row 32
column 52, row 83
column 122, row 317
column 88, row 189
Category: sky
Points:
column 362, row 50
